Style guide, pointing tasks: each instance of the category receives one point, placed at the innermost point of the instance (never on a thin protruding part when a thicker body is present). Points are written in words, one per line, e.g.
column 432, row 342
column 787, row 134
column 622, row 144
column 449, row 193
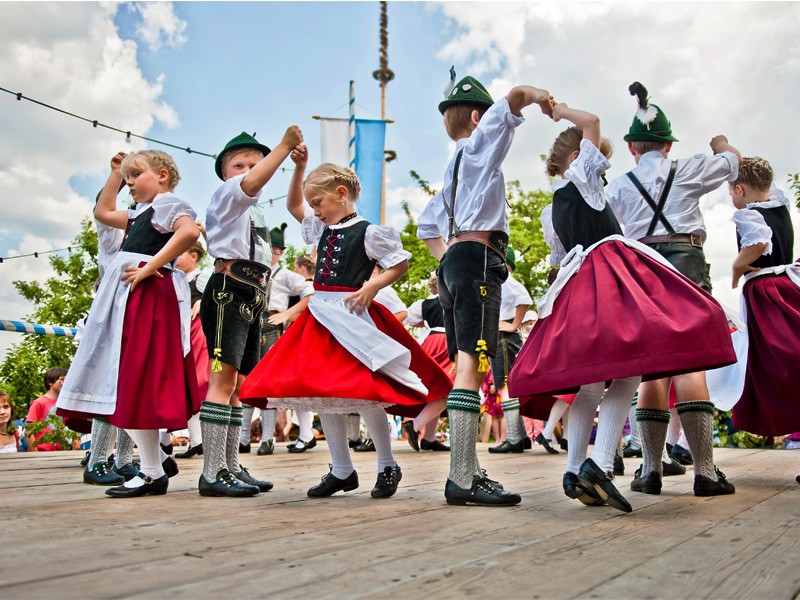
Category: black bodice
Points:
column 141, row 237
column 342, row 260
column 780, row 223
column 575, row 222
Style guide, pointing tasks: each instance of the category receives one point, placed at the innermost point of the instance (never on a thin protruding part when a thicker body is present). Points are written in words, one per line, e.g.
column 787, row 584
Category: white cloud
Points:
column 160, row 25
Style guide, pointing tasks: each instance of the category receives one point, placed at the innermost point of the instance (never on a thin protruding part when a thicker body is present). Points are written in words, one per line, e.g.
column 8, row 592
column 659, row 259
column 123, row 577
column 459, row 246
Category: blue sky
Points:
column 198, row 73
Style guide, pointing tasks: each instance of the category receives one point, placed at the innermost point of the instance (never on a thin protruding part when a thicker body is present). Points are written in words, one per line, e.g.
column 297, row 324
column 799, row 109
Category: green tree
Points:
column 63, row 299
column 794, row 184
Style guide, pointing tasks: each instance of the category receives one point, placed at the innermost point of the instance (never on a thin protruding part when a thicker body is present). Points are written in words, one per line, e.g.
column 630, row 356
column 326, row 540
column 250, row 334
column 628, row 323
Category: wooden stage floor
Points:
column 65, row 539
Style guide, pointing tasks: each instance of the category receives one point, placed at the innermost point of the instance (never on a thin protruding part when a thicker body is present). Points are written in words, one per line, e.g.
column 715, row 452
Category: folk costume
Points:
column 657, row 203
column 469, row 213
column 369, row 361
column 771, row 306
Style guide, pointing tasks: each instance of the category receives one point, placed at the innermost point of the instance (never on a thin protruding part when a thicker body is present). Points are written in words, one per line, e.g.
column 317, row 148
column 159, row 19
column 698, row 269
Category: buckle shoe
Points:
column 154, row 487
column 435, row 446
column 191, row 451
column 226, row 484
column 505, row 447
column 650, row 484
column 630, row 451
column 128, row 471
column 672, row 467
column 354, row 443
column 619, row 465
column 703, row 486
column 592, row 475
column 386, row 485
column 301, row 446
column 413, row 436
column 101, row 474
column 578, row 490
column 545, row 443
column 365, row 446
column 244, row 476
column 244, row 448
column 482, row 492
column 266, row 448
column 170, row 467
column 331, row 484
column 526, row 443
column 85, row 459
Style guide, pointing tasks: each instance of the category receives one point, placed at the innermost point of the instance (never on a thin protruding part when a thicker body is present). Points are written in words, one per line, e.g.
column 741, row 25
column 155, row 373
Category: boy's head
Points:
column 244, row 149
column 159, row 163
column 650, row 124
column 753, row 183
column 467, row 97
column 54, row 377
column 566, row 149
column 277, row 236
column 187, row 262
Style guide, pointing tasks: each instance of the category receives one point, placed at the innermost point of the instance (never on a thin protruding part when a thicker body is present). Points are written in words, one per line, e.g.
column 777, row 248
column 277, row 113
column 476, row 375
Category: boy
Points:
column 233, row 301
column 469, row 213
column 657, row 203
column 45, row 405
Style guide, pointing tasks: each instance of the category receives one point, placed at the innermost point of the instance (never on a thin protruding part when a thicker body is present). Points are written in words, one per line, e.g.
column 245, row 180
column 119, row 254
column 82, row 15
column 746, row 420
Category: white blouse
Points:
column 750, row 224
column 228, row 223
column 167, row 208
column 586, row 172
column 283, row 284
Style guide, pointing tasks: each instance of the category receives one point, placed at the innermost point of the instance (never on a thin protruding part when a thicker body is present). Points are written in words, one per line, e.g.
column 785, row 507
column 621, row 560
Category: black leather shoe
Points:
column 331, row 484
column 365, row 446
column 435, row 446
column 128, row 471
column 266, row 448
column 301, row 446
column 591, row 474
column 651, row 484
column 564, row 445
column 226, row 484
column 85, row 459
column 191, row 451
column 545, row 443
column 672, row 468
column 244, row 476
column 244, row 448
column 703, row 486
column 154, row 487
column 167, row 448
column 355, row 443
column 631, row 451
column 482, row 492
column 387, row 482
column 526, row 443
column 619, row 465
column 413, row 436
column 170, row 467
column 576, row 489
column 682, row 455
column 102, row 474
column 505, row 447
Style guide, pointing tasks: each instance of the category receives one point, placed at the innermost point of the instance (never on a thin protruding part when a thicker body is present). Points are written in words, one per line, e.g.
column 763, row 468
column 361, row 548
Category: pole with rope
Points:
column 384, row 75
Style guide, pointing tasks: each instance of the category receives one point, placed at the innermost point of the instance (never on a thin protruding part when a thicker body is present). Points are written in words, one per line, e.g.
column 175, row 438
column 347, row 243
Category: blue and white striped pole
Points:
column 52, row 330
column 352, row 126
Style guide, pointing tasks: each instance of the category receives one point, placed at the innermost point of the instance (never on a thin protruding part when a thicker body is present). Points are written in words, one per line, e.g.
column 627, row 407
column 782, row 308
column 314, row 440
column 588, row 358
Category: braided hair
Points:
column 756, row 173
column 328, row 176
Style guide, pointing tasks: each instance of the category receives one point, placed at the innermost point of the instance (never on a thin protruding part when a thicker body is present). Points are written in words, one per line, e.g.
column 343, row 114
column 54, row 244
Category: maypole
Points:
column 384, row 75
column 351, row 126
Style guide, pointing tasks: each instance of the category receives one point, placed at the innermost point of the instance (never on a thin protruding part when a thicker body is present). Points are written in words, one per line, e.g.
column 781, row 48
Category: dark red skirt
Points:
column 157, row 385
column 622, row 314
column 538, row 407
column 770, row 401
column 200, row 353
column 308, row 362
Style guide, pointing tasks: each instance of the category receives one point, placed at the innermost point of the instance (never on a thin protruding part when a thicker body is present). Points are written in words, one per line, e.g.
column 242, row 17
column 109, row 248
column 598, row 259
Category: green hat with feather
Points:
column 650, row 124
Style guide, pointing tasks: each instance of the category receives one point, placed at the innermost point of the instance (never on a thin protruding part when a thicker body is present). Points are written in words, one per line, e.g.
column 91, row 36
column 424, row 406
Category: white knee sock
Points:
column 195, row 432
column 305, row 418
column 149, row 453
column 268, row 419
column 378, row 430
column 165, row 437
column 613, row 412
column 558, row 410
column 581, row 422
column 336, row 436
column 353, row 421
column 247, row 420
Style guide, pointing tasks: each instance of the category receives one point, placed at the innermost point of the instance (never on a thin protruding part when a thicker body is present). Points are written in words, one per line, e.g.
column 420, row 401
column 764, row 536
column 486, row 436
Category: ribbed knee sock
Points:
column 195, row 432
column 636, row 440
column 653, row 424
column 353, row 426
column 149, row 453
column 304, row 419
column 464, row 412
column 697, row 418
column 232, row 440
column 268, row 418
column 611, row 420
column 581, row 422
column 214, row 420
column 102, row 438
column 514, row 433
column 336, row 436
column 124, row 455
column 247, row 419
column 378, row 430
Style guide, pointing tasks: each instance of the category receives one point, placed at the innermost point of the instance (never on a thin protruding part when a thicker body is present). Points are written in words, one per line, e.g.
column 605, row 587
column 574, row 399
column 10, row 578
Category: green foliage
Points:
column 740, row 439
column 63, row 299
column 794, row 184
column 55, row 432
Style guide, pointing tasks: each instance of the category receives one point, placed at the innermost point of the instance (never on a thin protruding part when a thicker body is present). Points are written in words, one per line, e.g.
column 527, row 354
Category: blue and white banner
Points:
column 369, row 147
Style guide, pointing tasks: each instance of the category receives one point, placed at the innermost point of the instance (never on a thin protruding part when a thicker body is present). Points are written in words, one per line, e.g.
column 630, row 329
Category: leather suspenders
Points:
column 658, row 214
column 450, row 209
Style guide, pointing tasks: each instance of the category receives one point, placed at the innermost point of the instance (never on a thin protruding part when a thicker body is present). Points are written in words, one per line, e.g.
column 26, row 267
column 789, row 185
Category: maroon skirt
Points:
column 770, row 401
column 200, row 353
column 308, row 362
column 622, row 314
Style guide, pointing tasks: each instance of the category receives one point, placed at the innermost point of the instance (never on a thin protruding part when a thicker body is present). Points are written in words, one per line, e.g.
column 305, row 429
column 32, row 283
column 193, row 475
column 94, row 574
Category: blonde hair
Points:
column 231, row 154
column 433, row 283
column 566, row 143
column 154, row 160
column 756, row 173
column 328, row 176
column 457, row 118
column 645, row 146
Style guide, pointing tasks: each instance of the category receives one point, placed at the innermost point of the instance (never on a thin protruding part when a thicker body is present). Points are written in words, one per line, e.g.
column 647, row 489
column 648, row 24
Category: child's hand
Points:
column 293, row 137
column 558, row 111
column 133, row 275
column 116, row 161
column 359, row 301
column 738, row 271
column 718, row 142
column 545, row 102
column 300, row 156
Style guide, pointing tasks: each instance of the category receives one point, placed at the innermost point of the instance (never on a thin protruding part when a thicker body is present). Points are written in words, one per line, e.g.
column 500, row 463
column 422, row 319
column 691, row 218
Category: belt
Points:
column 690, row 238
column 496, row 240
column 244, row 271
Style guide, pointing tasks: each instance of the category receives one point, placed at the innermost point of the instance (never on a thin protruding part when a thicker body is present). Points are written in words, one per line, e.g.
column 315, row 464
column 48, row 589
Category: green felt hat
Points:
column 511, row 258
column 243, row 140
column 650, row 124
column 467, row 91
column 276, row 236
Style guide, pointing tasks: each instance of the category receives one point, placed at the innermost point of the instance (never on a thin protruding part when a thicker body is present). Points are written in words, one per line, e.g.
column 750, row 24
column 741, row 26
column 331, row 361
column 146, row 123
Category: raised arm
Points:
column 524, row 95
column 294, row 200
column 719, row 144
column 588, row 123
column 106, row 209
column 260, row 174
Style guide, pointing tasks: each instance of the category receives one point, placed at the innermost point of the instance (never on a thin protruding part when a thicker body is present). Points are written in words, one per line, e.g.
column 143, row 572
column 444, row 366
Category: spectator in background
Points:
column 9, row 437
column 45, row 405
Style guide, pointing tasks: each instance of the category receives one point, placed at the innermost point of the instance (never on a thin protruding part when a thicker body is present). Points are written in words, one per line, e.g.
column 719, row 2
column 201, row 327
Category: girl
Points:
column 359, row 356
column 768, row 405
column 585, row 339
column 133, row 366
column 9, row 436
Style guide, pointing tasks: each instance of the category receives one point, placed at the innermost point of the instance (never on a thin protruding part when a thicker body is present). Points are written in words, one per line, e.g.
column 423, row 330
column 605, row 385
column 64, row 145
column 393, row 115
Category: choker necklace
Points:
column 349, row 217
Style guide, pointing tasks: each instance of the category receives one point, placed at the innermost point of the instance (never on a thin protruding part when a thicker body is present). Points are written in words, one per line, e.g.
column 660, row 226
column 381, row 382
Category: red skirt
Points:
column 770, row 401
column 308, row 362
column 436, row 347
column 622, row 314
column 200, row 353
column 538, row 407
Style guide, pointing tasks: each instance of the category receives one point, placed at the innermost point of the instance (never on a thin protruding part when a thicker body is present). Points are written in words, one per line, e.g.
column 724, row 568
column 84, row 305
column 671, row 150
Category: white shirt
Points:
column 481, row 192
column 284, row 283
column 695, row 177
column 557, row 251
column 109, row 239
column 750, row 224
column 228, row 223
column 167, row 208
column 512, row 294
column 389, row 298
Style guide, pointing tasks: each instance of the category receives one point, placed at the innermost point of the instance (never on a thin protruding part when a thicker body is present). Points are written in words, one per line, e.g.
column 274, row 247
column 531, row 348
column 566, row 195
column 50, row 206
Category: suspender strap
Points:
column 658, row 214
column 450, row 209
column 269, row 287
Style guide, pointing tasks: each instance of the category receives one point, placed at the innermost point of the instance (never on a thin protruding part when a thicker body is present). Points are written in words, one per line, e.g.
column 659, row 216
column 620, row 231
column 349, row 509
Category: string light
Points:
column 35, row 254
column 95, row 123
